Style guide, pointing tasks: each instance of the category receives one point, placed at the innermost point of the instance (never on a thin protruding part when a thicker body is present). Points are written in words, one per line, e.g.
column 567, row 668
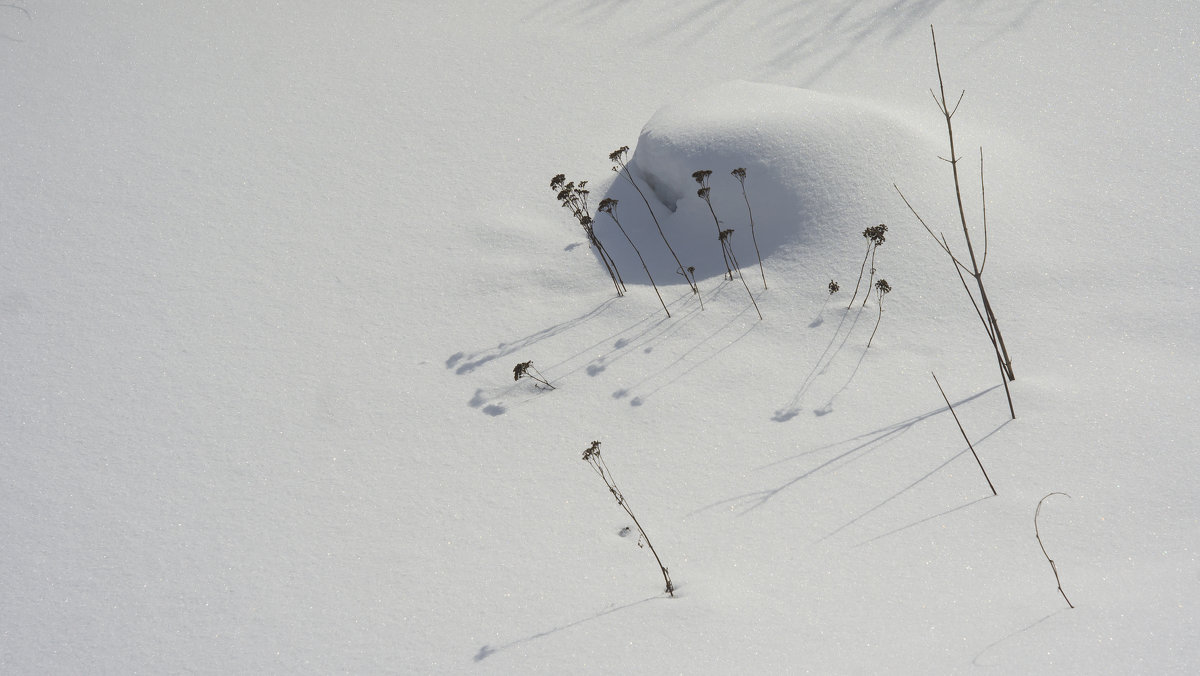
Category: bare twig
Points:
column 1038, row 534
column 964, row 433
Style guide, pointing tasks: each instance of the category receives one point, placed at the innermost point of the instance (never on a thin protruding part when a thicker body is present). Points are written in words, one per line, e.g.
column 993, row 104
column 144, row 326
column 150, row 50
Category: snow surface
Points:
column 265, row 271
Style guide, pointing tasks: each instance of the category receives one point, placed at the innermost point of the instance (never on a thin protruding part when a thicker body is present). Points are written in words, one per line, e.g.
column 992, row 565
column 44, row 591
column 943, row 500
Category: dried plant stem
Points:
column 724, row 248
column 964, row 433
column 860, row 276
column 1038, row 534
column 622, row 169
column 607, row 206
column 591, row 455
column 740, row 175
column 870, row 279
column 574, row 197
column 726, row 235
column 882, row 288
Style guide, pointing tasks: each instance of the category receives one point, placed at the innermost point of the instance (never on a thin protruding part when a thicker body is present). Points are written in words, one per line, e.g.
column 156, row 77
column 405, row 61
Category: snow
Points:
column 266, row 271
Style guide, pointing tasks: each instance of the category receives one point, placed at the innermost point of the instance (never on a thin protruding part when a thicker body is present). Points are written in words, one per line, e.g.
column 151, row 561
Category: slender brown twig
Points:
column 1038, row 534
column 964, row 433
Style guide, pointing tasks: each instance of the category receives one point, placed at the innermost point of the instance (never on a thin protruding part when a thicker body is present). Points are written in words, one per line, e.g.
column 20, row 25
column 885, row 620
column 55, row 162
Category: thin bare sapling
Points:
column 983, row 305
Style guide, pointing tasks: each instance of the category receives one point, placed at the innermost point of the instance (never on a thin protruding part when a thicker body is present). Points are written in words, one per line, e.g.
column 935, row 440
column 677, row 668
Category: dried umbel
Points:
column 526, row 370
column 575, row 198
column 875, row 236
column 882, row 288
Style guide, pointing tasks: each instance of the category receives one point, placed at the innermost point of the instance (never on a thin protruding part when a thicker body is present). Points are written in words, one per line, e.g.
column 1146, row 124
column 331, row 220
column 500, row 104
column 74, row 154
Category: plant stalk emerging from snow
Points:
column 983, row 307
column 702, row 179
column 1038, row 534
column 725, row 237
column 574, row 197
column 526, row 370
column 882, row 288
column 608, row 206
column 875, row 236
column 617, row 157
column 591, row 455
column 964, row 433
column 740, row 175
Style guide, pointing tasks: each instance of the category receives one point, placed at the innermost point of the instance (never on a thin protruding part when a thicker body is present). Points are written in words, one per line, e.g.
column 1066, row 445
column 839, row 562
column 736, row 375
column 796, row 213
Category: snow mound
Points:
column 819, row 169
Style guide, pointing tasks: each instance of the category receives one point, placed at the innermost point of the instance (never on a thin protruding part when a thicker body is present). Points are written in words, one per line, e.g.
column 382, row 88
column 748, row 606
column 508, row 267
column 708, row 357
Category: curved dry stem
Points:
column 1037, row 533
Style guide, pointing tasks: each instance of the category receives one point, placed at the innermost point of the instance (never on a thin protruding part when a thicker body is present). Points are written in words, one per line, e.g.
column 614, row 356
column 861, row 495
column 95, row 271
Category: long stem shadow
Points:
column 909, row 487
column 641, row 399
column 793, row 407
column 655, row 332
column 463, row 363
column 926, row 519
column 871, row 441
column 487, row 651
column 997, row 642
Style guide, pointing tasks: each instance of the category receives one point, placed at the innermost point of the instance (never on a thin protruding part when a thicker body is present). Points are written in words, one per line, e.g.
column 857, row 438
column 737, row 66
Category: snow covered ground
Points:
column 265, row 271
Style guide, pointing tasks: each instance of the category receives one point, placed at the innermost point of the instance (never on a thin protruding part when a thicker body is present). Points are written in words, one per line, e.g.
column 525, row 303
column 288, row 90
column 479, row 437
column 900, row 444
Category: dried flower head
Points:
column 521, row 369
column 883, row 287
column 739, row 173
column 833, row 287
column 876, row 234
column 701, row 176
column 557, row 182
column 703, row 192
column 591, row 451
column 618, row 155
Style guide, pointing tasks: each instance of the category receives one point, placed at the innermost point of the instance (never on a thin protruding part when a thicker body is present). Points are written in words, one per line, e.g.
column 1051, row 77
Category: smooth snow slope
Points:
column 265, row 271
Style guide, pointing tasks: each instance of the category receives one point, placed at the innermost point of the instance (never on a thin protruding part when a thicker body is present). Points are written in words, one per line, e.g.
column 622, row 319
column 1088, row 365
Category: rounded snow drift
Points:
column 819, row 169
